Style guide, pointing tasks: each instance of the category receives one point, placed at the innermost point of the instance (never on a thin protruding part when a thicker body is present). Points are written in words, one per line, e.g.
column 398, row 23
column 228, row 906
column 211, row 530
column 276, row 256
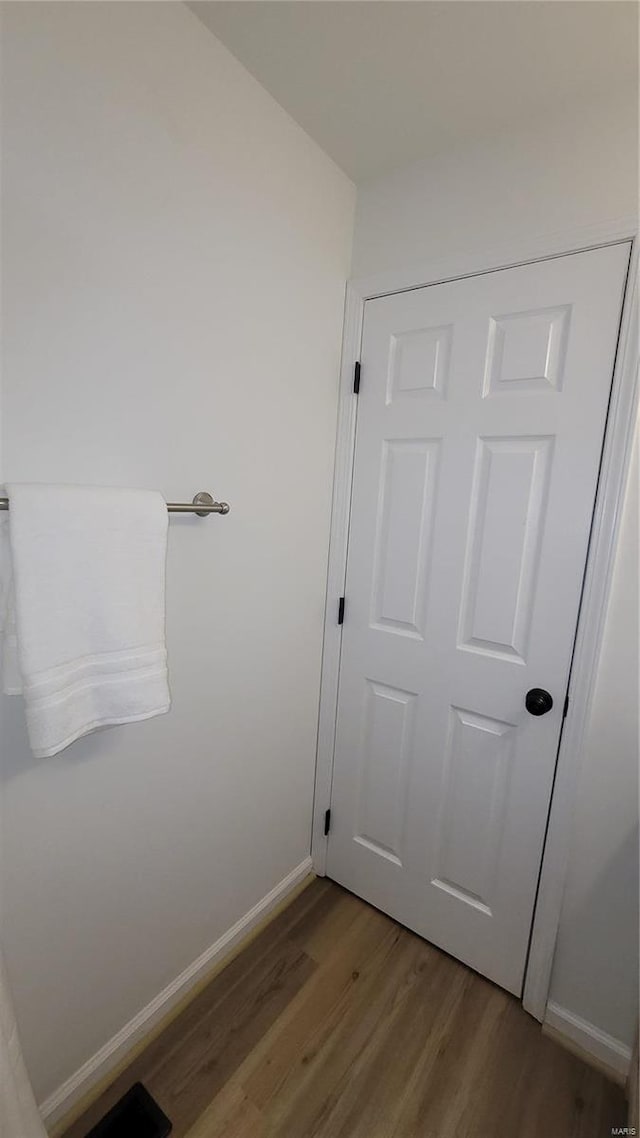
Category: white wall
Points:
column 595, row 968
column 576, row 170
column 175, row 253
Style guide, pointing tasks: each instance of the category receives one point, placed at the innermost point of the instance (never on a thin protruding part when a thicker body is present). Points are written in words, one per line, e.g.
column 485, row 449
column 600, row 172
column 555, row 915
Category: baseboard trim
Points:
column 118, row 1051
column 587, row 1041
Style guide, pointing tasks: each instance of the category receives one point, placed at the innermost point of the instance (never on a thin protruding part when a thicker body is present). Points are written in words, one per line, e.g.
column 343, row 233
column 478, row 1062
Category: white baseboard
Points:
column 603, row 1050
column 107, row 1058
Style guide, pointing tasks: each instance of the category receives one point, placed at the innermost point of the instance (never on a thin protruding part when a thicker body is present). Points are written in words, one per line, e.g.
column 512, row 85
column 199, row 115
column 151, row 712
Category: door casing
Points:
column 616, row 455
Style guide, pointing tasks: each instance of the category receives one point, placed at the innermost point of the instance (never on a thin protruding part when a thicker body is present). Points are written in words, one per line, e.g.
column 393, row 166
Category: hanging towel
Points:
column 88, row 588
column 9, row 670
column 19, row 1117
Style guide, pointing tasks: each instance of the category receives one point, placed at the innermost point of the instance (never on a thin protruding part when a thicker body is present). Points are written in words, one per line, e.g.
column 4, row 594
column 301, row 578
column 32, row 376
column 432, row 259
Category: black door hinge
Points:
column 327, row 821
column 356, row 377
column 566, row 707
column 341, row 610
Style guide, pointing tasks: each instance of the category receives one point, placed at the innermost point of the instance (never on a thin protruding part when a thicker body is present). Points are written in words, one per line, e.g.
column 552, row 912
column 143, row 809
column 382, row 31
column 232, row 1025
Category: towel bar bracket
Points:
column 202, row 504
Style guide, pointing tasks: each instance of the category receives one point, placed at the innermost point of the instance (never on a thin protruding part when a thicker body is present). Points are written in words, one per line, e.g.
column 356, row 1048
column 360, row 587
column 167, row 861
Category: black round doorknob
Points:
column 538, row 701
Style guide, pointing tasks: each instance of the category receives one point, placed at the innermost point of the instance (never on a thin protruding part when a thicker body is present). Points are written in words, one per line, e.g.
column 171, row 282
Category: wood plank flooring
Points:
column 336, row 1022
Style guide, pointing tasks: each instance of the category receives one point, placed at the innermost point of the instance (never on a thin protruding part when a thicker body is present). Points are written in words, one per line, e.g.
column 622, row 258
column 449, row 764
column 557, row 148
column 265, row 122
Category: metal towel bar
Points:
column 202, row 505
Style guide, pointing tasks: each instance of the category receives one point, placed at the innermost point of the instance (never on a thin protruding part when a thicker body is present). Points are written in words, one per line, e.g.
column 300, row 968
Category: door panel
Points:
column 474, row 794
column 508, row 497
column 408, row 472
column 387, row 732
column 481, row 416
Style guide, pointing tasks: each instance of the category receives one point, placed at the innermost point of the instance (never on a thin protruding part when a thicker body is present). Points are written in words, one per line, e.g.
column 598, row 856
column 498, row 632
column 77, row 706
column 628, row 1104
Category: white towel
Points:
column 88, row 581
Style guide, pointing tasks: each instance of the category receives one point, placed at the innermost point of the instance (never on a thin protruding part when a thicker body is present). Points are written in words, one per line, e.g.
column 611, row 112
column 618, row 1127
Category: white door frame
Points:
column 616, row 456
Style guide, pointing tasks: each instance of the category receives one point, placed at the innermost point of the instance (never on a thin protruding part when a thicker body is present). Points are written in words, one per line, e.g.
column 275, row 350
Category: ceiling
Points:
column 381, row 84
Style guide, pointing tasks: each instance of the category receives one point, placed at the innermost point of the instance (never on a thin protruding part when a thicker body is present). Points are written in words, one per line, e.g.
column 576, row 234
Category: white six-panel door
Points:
column 480, row 423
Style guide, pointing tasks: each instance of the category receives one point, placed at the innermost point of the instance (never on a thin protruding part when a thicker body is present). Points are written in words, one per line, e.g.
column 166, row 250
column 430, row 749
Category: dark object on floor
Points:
column 135, row 1115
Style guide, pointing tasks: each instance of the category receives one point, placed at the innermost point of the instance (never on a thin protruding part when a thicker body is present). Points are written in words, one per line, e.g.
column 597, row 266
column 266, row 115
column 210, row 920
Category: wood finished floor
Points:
column 336, row 1022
